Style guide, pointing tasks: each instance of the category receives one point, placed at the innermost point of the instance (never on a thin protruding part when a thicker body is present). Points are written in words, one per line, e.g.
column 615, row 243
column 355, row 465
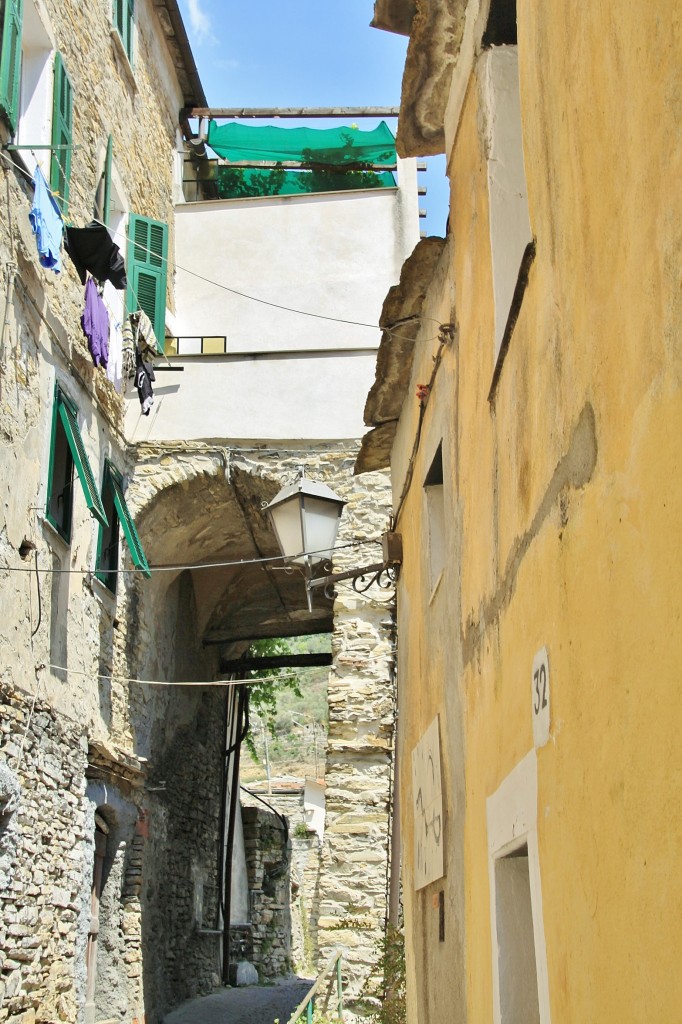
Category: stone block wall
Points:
column 353, row 880
column 43, row 850
column 304, row 875
column 268, row 863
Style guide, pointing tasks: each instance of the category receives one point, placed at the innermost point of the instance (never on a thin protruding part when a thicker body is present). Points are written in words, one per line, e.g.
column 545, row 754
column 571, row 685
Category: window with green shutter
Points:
column 66, row 451
column 117, row 512
column 124, row 11
column 10, row 60
column 146, row 270
column 62, row 133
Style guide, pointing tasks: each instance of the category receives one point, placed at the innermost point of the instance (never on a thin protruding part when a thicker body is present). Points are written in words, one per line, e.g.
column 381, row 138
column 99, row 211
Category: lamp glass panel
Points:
column 286, row 519
column 321, row 524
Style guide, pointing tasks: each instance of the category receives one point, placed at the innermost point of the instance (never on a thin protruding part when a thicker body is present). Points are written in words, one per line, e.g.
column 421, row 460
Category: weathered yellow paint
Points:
column 564, row 501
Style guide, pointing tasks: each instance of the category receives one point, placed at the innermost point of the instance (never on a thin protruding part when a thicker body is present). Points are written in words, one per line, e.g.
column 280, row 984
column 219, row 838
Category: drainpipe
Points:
column 234, row 751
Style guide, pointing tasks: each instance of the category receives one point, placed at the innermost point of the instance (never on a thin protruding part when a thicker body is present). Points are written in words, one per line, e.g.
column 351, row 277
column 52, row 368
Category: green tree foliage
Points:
column 291, row 704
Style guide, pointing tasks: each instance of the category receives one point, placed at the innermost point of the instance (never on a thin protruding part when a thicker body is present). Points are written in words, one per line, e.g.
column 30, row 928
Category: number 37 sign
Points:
column 540, row 697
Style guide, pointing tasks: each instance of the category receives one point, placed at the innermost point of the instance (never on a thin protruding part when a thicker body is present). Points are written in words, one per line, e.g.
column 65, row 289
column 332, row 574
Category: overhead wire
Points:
column 275, row 677
column 172, row 264
column 178, row 567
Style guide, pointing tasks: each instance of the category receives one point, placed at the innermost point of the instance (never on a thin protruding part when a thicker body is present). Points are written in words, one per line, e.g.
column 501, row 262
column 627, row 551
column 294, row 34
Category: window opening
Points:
column 123, row 13
column 118, row 514
column 517, row 968
column 435, row 514
column 26, row 78
column 107, row 548
column 67, row 450
column 500, row 29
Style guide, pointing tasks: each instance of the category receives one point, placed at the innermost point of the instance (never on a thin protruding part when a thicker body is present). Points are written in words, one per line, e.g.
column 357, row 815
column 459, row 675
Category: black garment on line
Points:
column 144, row 375
column 92, row 249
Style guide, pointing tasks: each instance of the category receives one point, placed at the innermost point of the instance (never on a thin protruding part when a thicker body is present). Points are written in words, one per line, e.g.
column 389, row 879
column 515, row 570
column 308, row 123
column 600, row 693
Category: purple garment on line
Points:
column 95, row 322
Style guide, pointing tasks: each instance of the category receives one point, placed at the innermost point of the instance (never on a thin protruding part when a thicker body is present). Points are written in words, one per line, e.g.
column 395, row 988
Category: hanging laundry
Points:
column 144, row 375
column 128, row 342
column 115, row 363
column 46, row 221
column 95, row 324
column 93, row 249
column 146, row 341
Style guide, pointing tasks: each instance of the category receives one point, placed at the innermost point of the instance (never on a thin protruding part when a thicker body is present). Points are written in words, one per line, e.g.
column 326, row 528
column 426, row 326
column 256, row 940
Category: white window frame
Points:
column 34, row 121
column 511, row 814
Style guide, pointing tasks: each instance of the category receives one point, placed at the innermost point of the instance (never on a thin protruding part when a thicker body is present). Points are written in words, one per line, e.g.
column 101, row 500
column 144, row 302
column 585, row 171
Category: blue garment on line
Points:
column 46, row 221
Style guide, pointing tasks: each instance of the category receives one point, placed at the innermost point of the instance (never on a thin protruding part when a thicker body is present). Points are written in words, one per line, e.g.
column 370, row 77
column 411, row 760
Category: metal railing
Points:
column 307, row 1004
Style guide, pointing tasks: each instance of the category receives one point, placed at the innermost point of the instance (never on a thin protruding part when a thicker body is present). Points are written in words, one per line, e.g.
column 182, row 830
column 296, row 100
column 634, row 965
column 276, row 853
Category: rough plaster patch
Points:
column 573, row 470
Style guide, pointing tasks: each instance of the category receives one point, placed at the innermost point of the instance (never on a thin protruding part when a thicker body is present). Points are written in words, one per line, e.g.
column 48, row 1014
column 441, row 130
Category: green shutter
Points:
column 10, row 61
column 67, row 413
column 126, row 521
column 118, row 16
column 147, row 263
column 128, row 36
column 62, row 133
column 123, row 20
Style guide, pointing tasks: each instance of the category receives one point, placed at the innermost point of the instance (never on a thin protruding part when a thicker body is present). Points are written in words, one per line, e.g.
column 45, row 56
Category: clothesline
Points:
column 174, row 266
column 95, row 256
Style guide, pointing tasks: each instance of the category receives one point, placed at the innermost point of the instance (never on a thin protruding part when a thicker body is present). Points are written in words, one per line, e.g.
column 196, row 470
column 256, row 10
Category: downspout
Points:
column 234, row 751
column 229, row 695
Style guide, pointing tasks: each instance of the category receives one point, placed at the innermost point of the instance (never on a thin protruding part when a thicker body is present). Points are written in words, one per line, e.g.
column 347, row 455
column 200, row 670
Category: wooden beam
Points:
column 301, row 112
column 275, row 661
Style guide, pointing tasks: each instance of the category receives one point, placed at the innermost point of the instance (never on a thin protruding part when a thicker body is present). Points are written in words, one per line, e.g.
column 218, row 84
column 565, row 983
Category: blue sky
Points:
column 310, row 53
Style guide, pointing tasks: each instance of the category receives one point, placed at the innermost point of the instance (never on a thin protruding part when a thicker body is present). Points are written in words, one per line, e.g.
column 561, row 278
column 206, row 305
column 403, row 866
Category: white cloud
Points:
column 198, row 19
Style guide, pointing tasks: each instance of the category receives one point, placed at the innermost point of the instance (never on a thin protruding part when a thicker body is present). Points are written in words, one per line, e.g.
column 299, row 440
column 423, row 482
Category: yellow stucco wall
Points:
column 564, row 500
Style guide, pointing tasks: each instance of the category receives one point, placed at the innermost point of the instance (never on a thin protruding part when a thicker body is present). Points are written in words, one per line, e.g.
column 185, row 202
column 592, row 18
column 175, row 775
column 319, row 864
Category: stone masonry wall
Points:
column 353, row 881
column 267, row 863
column 304, row 886
column 43, row 852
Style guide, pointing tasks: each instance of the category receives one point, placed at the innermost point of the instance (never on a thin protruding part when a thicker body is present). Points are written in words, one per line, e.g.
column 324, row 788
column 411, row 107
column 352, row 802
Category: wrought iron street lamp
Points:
column 305, row 517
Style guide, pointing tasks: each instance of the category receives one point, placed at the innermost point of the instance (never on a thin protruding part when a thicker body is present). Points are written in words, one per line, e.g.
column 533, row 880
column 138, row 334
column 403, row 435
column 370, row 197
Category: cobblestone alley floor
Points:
column 252, row 1004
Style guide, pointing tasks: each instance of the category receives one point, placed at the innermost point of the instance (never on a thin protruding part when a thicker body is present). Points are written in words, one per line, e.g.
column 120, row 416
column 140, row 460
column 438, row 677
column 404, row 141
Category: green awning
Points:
column 333, row 147
column 244, row 183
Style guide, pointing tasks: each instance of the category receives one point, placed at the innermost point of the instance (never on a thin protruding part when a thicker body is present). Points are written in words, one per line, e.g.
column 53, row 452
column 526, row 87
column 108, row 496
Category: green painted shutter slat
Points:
column 147, row 270
column 128, row 37
column 62, row 133
column 10, row 61
column 124, row 11
column 82, row 462
column 131, row 534
column 118, row 16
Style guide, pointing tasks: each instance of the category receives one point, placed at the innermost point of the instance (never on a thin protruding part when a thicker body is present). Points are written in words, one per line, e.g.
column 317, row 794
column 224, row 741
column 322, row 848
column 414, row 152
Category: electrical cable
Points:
column 227, row 683
column 206, row 565
column 40, row 607
column 170, row 264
